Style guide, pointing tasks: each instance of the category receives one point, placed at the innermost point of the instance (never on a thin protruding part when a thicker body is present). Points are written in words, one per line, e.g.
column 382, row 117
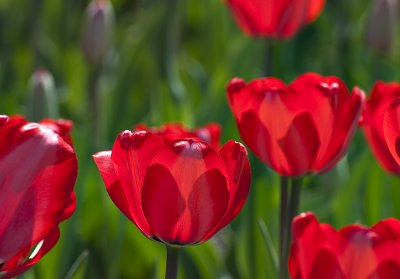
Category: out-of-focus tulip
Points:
column 42, row 99
column 382, row 95
column 178, row 192
column 391, row 129
column 172, row 131
column 38, row 170
column 354, row 252
column 304, row 127
column 380, row 27
column 98, row 30
column 274, row 18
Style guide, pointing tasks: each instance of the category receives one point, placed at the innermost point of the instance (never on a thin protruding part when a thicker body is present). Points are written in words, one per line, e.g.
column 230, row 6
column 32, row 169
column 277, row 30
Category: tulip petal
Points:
column 307, row 239
column 237, row 163
column 38, row 173
column 195, row 176
column 315, row 8
column 131, row 155
column 373, row 114
column 355, row 246
column 292, row 18
column 62, row 127
column 326, row 266
column 163, row 204
column 236, row 97
column 70, row 208
column 257, row 138
column 274, row 18
column 19, row 264
column 300, row 144
column 391, row 129
column 386, row 270
column 105, row 165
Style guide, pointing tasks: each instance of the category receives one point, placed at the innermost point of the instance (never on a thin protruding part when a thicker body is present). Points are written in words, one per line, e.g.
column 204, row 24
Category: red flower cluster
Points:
column 304, row 127
column 36, row 194
column 356, row 252
column 175, row 189
column 379, row 120
column 274, row 18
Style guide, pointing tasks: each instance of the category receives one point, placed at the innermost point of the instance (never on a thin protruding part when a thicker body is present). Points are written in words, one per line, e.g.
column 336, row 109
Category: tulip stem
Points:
column 283, row 226
column 94, row 103
column 268, row 60
column 290, row 200
column 171, row 271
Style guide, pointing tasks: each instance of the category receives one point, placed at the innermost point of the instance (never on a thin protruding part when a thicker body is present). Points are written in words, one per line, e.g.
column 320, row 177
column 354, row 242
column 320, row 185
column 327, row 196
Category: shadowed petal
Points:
column 131, row 155
column 197, row 183
column 391, row 129
column 113, row 185
column 237, row 163
column 300, row 144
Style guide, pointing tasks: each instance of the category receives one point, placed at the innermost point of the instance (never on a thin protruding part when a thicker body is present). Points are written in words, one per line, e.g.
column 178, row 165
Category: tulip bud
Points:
column 381, row 24
column 42, row 99
column 97, row 30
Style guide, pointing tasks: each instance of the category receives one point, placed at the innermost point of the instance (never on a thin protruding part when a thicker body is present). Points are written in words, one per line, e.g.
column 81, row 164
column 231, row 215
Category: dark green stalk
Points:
column 293, row 208
column 290, row 201
column 269, row 58
column 94, row 104
column 252, row 233
column 171, row 271
column 283, row 234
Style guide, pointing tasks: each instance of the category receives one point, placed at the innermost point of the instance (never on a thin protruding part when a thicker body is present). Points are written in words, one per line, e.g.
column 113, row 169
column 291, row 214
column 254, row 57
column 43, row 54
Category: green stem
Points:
column 94, row 104
column 285, row 181
column 171, row 271
column 293, row 208
column 269, row 58
column 290, row 201
column 252, row 233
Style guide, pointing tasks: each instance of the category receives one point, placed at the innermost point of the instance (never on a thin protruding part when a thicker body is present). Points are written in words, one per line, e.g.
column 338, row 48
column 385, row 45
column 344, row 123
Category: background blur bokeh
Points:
column 170, row 60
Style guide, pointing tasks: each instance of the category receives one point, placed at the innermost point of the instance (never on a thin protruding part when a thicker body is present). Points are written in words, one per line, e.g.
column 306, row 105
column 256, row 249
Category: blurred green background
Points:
column 170, row 61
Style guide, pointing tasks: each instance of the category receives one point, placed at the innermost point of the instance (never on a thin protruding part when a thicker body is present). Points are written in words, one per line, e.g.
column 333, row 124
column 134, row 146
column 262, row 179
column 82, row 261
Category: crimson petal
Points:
column 237, row 163
column 196, row 176
column 131, row 155
column 38, row 173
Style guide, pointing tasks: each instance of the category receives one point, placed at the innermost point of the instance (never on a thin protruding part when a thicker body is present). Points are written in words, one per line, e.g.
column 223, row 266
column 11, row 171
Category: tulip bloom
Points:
column 304, row 127
column 356, row 252
column 170, row 131
column 178, row 192
column 38, row 169
column 382, row 95
column 274, row 18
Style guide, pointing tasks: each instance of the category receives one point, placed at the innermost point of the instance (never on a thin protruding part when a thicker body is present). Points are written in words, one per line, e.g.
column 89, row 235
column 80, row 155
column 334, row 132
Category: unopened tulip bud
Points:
column 97, row 31
column 381, row 24
column 42, row 99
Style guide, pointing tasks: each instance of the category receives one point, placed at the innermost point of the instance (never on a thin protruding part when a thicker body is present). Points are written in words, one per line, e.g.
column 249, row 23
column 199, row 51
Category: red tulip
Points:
column 304, row 127
column 391, row 129
column 372, row 121
column 170, row 131
column 274, row 18
column 179, row 192
column 38, row 170
column 354, row 252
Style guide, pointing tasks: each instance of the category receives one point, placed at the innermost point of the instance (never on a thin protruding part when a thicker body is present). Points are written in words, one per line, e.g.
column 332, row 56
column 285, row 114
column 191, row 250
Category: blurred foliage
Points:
column 170, row 61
